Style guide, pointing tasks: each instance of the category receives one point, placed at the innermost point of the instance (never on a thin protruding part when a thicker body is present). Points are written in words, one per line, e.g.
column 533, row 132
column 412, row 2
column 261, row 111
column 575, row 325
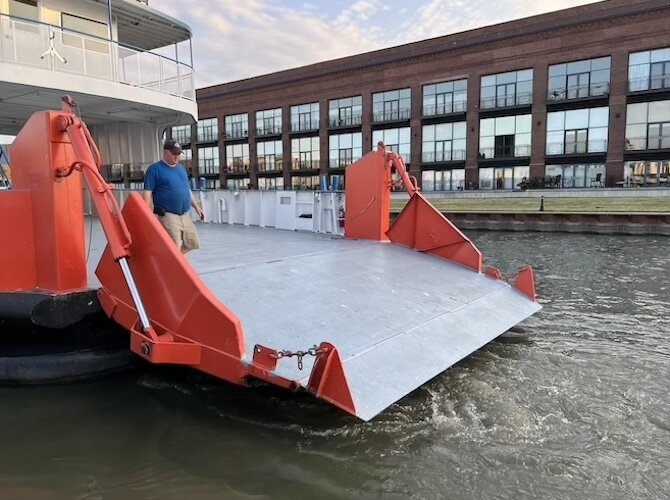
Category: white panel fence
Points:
column 316, row 211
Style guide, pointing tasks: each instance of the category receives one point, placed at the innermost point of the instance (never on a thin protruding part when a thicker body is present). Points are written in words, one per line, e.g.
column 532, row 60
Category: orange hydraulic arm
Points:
column 89, row 162
column 118, row 236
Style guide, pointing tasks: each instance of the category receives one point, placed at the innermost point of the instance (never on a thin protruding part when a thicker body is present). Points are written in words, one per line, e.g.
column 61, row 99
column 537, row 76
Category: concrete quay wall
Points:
column 606, row 223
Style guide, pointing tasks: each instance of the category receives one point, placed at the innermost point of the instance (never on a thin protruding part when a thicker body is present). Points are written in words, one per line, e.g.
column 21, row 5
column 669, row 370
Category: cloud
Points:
column 243, row 39
column 234, row 40
column 442, row 17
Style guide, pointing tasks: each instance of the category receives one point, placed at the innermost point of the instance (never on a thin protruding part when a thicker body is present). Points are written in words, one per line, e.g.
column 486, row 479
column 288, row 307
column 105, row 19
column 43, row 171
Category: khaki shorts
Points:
column 182, row 230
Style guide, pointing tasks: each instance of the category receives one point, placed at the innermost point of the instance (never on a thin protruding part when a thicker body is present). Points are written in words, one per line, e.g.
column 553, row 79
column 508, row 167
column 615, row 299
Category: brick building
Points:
column 571, row 99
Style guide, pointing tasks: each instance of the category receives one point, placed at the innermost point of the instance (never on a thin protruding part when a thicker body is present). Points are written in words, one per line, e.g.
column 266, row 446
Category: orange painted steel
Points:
column 42, row 216
column 328, row 379
column 17, row 251
column 193, row 328
column 419, row 226
column 525, row 282
column 368, row 198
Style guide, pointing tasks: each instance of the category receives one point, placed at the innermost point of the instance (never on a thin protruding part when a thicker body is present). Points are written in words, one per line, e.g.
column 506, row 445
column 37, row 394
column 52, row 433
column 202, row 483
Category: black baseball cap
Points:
column 173, row 146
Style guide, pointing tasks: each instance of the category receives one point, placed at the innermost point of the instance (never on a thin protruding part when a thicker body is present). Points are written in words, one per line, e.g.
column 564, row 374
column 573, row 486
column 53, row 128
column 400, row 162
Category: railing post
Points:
column 16, row 56
column 161, row 76
column 179, row 92
column 83, row 52
column 139, row 70
column 114, row 60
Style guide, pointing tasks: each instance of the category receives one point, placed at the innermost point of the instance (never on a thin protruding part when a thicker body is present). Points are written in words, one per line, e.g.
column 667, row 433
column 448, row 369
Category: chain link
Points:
column 312, row 351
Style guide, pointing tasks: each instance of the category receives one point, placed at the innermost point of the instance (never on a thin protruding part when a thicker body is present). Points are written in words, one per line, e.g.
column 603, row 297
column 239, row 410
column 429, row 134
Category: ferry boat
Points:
column 358, row 321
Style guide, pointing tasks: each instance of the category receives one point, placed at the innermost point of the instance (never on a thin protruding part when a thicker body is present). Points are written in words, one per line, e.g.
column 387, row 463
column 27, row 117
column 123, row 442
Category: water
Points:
column 579, row 410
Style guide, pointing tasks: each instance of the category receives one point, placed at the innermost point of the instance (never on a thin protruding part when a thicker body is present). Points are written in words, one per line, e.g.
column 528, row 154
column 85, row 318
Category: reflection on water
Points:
column 580, row 411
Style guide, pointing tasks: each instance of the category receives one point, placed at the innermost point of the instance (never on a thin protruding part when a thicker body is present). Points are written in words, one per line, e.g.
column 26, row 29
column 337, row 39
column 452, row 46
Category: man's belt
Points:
column 161, row 211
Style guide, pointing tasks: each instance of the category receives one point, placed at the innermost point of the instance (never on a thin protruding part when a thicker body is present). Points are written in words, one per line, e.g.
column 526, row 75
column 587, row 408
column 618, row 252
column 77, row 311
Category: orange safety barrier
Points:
column 419, row 226
column 192, row 326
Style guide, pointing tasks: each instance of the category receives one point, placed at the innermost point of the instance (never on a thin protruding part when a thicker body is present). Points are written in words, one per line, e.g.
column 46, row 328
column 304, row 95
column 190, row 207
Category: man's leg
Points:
column 173, row 225
column 191, row 240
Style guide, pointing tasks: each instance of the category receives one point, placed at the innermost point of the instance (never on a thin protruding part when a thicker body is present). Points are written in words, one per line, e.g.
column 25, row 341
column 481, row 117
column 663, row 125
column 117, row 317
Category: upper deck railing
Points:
column 60, row 50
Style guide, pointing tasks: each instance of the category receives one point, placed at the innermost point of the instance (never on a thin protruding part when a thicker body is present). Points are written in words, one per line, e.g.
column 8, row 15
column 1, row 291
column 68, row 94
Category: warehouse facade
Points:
column 578, row 98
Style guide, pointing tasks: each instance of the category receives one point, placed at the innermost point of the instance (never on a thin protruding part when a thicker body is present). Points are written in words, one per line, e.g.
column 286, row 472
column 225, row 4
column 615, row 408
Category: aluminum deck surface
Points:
column 398, row 317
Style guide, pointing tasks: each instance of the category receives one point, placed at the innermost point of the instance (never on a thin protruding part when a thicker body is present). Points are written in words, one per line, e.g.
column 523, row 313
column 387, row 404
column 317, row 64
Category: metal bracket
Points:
column 265, row 358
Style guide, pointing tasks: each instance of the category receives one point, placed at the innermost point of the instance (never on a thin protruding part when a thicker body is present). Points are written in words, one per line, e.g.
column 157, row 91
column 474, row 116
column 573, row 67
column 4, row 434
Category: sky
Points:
column 238, row 39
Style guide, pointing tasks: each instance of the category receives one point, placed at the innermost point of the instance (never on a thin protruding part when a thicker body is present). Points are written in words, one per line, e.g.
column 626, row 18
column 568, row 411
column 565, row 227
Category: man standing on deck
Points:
column 167, row 190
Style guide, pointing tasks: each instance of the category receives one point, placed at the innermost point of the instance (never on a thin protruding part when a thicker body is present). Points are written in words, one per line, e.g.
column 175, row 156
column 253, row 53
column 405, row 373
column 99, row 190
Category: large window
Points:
column 208, row 161
column 237, row 126
column 269, row 155
column 392, row 105
column 305, row 153
column 270, row 183
column 504, row 178
column 646, row 173
column 577, row 131
column 208, row 130
column 648, row 125
column 506, row 136
column 186, row 157
column 649, row 70
column 443, row 142
column 445, row 98
column 305, row 182
column 268, row 122
column 182, row 133
column 345, row 112
column 395, row 139
column 237, row 158
column 575, row 175
column 443, row 180
column 578, row 79
column 336, row 182
column 238, row 184
column 507, row 89
column 345, row 149
column 209, row 184
column 305, row 117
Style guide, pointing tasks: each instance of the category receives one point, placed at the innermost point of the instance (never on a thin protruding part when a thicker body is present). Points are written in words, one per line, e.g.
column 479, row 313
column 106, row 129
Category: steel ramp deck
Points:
column 398, row 317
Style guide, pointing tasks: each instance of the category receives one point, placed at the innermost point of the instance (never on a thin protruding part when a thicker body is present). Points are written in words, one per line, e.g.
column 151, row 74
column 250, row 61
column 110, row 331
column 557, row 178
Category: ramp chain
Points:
column 312, row 351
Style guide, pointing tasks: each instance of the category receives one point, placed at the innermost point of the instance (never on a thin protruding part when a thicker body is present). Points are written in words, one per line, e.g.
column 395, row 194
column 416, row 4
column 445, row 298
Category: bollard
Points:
column 541, row 203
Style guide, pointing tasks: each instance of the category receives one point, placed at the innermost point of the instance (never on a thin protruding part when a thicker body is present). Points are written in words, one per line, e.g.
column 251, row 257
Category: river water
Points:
column 580, row 409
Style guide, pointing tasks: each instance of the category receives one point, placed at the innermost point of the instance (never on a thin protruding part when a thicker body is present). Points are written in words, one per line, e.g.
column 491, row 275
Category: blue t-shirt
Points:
column 169, row 186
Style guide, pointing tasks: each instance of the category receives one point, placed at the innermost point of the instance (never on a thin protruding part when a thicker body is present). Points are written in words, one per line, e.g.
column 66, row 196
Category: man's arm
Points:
column 197, row 208
column 149, row 185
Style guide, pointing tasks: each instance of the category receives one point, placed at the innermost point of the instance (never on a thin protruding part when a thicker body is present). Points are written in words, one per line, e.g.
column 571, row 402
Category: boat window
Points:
column 25, row 9
column 85, row 26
